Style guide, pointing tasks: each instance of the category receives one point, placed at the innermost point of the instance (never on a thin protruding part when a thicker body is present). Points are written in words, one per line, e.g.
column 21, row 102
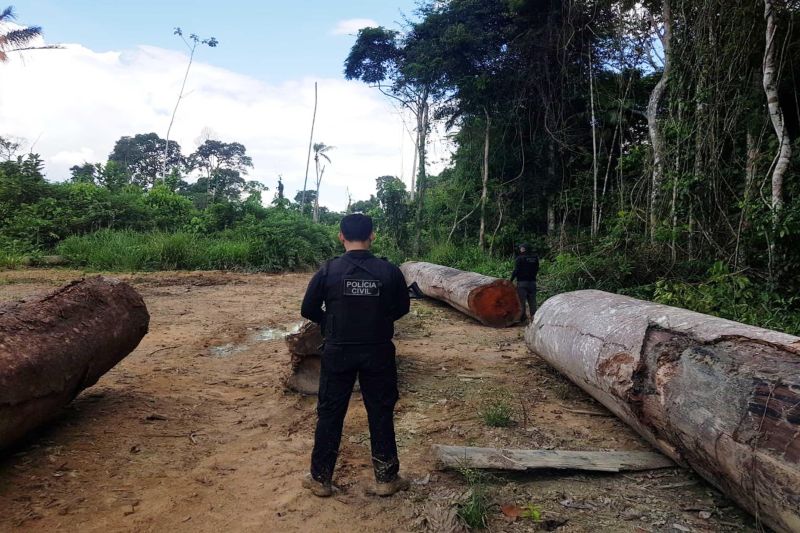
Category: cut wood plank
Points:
column 520, row 460
column 492, row 301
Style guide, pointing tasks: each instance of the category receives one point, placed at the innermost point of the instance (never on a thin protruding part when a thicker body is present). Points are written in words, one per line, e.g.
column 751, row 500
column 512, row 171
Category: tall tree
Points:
column 191, row 43
column 656, row 135
column 145, row 156
column 770, row 81
column 403, row 68
column 222, row 166
column 310, row 145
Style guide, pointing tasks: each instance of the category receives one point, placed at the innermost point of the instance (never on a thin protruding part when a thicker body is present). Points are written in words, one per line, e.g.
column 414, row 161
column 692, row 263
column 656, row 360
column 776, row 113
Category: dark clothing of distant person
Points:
column 526, row 267
column 363, row 296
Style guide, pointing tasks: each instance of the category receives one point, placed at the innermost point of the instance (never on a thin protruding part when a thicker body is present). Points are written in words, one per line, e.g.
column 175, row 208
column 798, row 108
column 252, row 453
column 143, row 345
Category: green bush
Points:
column 470, row 259
column 733, row 296
column 280, row 242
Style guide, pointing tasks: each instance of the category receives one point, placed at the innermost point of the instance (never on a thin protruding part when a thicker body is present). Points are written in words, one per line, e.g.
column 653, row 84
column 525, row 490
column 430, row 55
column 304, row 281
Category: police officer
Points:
column 362, row 297
column 526, row 267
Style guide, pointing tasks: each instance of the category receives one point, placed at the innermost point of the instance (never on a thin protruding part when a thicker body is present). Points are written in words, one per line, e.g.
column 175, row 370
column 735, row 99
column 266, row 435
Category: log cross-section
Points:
column 492, row 301
column 716, row 395
column 53, row 347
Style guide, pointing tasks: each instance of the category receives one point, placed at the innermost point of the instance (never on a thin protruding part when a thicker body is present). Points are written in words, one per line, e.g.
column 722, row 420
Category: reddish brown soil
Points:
column 194, row 431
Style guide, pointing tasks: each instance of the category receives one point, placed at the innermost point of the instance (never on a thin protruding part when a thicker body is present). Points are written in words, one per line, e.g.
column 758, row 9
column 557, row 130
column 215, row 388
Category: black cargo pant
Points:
column 527, row 294
column 375, row 367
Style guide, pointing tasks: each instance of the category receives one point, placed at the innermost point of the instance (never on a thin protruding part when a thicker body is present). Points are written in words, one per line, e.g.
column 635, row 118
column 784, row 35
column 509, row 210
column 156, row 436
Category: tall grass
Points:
column 10, row 260
column 264, row 249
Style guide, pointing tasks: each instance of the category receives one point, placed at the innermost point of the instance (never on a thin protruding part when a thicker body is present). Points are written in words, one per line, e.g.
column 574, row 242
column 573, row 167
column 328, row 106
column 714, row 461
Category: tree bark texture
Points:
column 656, row 135
column 491, row 301
column 718, row 396
column 485, row 181
column 770, row 81
column 53, row 347
column 422, row 178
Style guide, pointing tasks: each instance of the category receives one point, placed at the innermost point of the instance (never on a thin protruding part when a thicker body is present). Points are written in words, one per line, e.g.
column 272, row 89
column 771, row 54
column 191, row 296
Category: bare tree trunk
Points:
column 455, row 218
column 595, row 209
column 316, row 200
column 499, row 222
column 175, row 112
column 551, row 215
column 749, row 179
column 484, row 189
column 656, row 135
column 308, row 158
column 414, row 168
column 422, row 129
column 770, row 82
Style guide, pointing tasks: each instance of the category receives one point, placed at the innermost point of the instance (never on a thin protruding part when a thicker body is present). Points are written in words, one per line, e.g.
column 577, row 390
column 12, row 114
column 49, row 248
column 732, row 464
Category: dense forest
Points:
column 649, row 148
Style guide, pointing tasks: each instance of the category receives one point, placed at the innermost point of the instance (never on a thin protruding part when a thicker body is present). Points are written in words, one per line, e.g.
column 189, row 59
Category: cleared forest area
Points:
column 194, row 431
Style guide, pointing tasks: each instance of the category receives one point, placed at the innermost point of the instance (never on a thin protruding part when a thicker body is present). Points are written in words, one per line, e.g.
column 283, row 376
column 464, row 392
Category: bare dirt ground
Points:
column 195, row 432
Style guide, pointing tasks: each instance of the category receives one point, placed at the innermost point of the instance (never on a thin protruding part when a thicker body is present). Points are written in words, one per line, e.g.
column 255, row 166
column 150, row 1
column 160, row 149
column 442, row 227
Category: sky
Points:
column 120, row 69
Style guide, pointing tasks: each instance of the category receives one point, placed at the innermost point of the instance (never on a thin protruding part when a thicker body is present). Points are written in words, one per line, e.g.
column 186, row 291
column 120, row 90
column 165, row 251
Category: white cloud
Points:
column 73, row 104
column 351, row 26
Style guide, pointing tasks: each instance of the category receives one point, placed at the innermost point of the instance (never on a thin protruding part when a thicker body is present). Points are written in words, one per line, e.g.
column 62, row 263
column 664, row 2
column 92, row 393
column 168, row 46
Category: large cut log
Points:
column 491, row 301
column 720, row 397
column 53, row 347
column 521, row 460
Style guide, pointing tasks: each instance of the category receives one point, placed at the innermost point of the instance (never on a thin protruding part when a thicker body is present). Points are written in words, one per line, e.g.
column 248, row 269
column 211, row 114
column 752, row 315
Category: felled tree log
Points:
column 718, row 396
column 491, row 301
column 53, row 347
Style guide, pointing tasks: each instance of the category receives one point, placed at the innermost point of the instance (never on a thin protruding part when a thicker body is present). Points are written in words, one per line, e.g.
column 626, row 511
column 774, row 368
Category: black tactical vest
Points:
column 357, row 300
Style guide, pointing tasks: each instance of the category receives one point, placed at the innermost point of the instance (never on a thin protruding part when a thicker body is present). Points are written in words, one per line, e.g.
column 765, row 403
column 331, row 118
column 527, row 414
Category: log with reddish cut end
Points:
column 53, row 347
column 718, row 396
column 493, row 302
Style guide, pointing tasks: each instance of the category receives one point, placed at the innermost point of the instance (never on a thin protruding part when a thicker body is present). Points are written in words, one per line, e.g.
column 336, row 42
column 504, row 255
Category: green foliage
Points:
column 474, row 509
column 470, row 258
column 170, row 210
column 733, row 296
column 497, row 413
column 283, row 241
column 142, row 157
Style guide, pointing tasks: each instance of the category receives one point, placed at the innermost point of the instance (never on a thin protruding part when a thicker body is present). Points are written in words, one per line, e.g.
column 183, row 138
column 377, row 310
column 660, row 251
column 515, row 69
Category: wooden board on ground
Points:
column 520, row 460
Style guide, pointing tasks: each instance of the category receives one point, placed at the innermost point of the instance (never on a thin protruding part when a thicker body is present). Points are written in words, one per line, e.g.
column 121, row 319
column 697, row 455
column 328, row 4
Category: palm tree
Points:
column 319, row 152
column 14, row 40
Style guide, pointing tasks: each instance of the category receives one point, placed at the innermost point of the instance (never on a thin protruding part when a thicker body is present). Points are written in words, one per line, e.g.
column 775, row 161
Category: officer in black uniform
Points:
column 362, row 295
column 526, row 267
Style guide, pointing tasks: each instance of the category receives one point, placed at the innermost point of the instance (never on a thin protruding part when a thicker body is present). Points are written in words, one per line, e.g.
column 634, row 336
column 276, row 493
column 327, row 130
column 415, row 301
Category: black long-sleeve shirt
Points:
column 526, row 267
